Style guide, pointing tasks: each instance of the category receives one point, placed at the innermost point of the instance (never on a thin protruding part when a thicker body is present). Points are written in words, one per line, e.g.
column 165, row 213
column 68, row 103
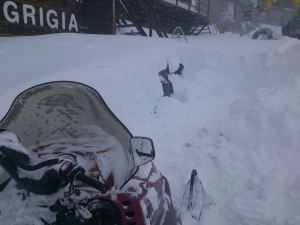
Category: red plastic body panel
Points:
column 141, row 201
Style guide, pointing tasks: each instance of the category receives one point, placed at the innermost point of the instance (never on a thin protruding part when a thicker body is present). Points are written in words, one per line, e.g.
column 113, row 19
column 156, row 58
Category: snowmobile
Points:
column 106, row 175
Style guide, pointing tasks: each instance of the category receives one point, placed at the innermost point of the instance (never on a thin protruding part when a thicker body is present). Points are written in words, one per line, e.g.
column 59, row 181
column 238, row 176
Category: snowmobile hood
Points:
column 72, row 117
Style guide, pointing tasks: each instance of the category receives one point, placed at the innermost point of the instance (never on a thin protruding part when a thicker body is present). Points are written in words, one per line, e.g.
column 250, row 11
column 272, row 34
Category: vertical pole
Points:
column 208, row 9
column 241, row 18
column 151, row 19
column 79, row 11
column 114, row 16
column 150, row 29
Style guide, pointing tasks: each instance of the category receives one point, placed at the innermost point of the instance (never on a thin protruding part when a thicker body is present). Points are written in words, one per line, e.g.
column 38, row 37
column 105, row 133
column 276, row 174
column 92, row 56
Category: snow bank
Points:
column 234, row 115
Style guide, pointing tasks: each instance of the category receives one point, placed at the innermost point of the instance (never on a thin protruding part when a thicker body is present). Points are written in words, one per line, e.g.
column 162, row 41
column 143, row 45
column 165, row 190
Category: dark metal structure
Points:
column 164, row 16
column 292, row 29
column 28, row 17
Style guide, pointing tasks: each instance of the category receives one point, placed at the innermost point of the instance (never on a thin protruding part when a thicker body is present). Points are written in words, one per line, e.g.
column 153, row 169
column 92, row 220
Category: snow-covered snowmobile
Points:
column 99, row 173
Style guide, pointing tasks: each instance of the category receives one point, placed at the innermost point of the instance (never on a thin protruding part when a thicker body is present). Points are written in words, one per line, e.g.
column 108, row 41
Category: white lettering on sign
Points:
column 13, row 16
column 51, row 20
column 37, row 16
column 41, row 16
column 73, row 23
column 28, row 12
column 63, row 21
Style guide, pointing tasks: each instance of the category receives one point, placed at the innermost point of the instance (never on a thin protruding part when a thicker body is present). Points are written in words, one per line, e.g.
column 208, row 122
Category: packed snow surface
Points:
column 235, row 114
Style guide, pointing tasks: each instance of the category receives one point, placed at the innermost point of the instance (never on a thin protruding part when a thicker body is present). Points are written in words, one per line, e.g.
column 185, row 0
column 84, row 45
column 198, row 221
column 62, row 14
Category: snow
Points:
column 10, row 140
column 234, row 115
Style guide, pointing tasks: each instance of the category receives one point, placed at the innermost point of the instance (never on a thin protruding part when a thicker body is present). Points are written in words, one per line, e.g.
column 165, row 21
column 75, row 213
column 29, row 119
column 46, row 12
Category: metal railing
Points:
column 198, row 6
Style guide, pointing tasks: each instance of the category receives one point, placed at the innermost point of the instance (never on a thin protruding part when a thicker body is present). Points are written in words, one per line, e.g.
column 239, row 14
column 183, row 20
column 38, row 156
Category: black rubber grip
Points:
column 92, row 182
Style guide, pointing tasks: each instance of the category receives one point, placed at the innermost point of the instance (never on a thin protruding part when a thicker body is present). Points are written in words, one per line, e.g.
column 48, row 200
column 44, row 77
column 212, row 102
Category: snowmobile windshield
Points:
column 72, row 117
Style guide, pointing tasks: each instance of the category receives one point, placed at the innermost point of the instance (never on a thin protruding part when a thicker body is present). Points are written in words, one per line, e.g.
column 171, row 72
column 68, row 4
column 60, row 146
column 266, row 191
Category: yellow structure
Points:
column 269, row 3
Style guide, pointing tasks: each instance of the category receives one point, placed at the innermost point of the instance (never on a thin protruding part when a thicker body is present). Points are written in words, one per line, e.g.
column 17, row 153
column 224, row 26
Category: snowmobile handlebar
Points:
column 67, row 172
column 71, row 172
column 92, row 182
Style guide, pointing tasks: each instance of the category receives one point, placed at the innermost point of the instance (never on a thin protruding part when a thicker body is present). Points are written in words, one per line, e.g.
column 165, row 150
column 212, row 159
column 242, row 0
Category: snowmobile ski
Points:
column 192, row 202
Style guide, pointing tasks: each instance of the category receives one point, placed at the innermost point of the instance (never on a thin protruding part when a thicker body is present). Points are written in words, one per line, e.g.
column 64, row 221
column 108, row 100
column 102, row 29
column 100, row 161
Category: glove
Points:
column 68, row 171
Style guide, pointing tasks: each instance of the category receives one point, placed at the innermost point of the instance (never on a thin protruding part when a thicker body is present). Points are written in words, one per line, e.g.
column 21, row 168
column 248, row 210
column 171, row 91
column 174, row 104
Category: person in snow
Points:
column 52, row 174
column 167, row 85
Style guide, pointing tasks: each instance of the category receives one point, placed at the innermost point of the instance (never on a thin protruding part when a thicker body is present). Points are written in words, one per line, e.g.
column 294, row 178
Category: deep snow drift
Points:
column 235, row 114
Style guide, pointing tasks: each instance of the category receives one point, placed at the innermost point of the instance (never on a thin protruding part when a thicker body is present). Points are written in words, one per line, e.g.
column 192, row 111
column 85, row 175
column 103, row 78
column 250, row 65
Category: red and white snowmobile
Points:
column 108, row 175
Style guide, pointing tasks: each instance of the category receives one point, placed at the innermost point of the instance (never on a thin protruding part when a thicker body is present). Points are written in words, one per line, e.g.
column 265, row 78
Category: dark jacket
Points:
column 164, row 73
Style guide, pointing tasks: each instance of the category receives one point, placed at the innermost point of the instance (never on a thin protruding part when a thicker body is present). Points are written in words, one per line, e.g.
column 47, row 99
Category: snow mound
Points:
column 234, row 115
